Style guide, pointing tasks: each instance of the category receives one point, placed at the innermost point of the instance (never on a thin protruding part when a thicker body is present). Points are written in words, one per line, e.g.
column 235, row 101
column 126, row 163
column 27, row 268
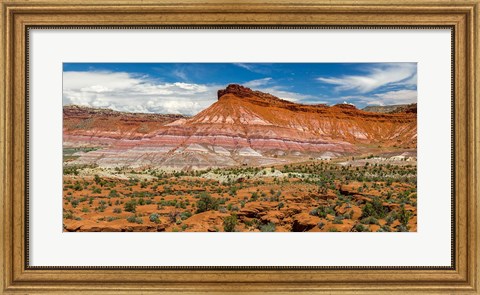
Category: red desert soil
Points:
column 185, row 202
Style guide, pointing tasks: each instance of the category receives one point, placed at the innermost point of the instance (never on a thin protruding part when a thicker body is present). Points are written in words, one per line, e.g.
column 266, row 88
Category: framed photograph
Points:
column 310, row 147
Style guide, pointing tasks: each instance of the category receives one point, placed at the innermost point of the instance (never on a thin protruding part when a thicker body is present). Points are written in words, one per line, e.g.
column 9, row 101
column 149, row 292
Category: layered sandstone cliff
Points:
column 244, row 127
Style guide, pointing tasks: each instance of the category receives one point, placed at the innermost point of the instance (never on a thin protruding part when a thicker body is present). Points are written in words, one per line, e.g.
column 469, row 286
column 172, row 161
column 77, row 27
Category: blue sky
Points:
column 187, row 88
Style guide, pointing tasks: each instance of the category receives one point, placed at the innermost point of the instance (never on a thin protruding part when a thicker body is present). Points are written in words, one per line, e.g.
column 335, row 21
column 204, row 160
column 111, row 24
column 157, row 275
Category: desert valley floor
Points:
column 311, row 196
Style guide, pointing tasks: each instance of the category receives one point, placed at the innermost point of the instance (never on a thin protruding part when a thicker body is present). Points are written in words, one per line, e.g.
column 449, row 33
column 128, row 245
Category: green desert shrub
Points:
column 75, row 203
column 70, row 170
column 391, row 217
column 404, row 216
column 185, row 215
column 229, row 223
column 154, row 218
column 134, row 219
column 369, row 220
column 338, row 220
column 130, row 206
column 206, row 203
column 77, row 187
column 269, row 227
column 113, row 193
column 384, row 228
column 322, row 211
column 361, row 228
column 112, row 218
column 375, row 209
column 68, row 215
column 101, row 207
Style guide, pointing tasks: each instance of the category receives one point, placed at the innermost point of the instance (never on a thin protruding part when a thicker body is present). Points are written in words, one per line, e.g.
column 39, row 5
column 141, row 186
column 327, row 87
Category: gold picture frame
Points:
column 19, row 15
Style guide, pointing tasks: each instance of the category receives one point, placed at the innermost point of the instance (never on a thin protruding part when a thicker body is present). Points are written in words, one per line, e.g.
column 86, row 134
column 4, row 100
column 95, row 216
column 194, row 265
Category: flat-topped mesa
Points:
column 244, row 92
column 237, row 90
column 268, row 100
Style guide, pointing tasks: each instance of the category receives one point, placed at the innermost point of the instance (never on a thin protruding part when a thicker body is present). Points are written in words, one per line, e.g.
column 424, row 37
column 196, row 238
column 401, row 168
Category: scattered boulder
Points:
column 206, row 221
column 272, row 216
column 291, row 209
column 304, row 222
column 349, row 189
column 345, row 226
column 395, row 224
column 141, row 228
column 343, row 208
column 252, row 210
column 409, row 207
column 72, row 225
column 390, row 206
column 412, row 224
column 355, row 212
column 360, row 199
column 329, row 195
column 99, row 227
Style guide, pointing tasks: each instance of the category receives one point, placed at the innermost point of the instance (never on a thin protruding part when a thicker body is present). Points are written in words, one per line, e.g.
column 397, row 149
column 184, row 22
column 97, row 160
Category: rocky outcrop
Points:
column 243, row 92
column 392, row 109
column 304, row 222
column 258, row 115
column 104, row 226
column 109, row 124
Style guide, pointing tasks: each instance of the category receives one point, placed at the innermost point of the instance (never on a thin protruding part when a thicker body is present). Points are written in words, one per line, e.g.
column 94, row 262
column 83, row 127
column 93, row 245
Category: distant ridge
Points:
column 391, row 109
column 83, row 120
column 73, row 109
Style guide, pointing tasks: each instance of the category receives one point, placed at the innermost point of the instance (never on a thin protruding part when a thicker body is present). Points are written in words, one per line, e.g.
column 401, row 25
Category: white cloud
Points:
column 254, row 68
column 248, row 67
column 257, row 83
column 404, row 96
column 180, row 74
column 130, row 93
column 127, row 92
column 276, row 90
column 378, row 76
column 284, row 94
column 412, row 81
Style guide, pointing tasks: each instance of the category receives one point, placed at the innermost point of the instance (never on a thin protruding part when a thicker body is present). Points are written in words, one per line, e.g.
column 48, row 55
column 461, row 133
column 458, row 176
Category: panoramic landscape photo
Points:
column 240, row 147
